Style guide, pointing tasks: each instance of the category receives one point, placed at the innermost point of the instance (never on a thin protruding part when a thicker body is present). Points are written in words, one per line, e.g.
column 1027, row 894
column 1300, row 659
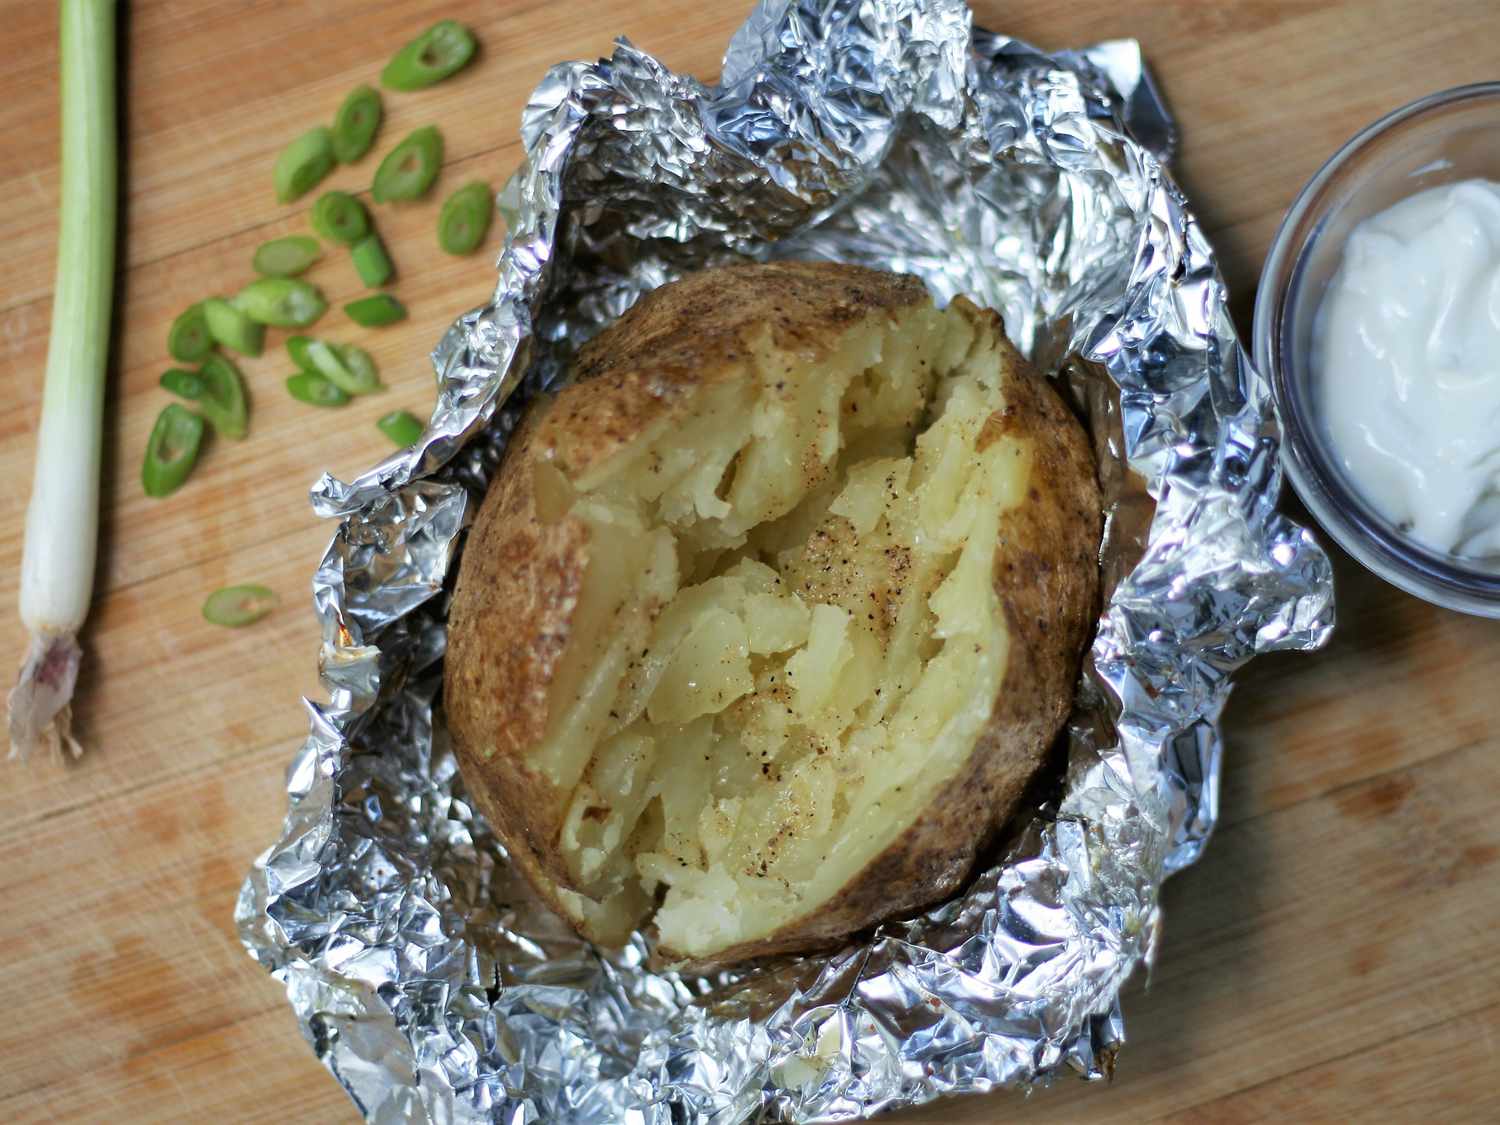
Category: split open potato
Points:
column 771, row 614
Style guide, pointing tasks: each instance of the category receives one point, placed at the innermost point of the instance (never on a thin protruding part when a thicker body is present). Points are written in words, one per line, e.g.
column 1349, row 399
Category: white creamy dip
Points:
column 1406, row 365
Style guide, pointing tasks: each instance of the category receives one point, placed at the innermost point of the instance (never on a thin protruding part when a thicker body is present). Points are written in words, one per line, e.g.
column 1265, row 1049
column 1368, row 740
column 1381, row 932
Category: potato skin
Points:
column 520, row 576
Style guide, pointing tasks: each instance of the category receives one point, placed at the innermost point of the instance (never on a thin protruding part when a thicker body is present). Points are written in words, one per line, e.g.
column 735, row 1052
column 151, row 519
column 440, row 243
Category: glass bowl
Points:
column 1445, row 137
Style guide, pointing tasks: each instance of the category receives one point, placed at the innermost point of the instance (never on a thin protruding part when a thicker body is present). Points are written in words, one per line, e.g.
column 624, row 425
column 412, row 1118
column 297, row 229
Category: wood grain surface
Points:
column 1332, row 957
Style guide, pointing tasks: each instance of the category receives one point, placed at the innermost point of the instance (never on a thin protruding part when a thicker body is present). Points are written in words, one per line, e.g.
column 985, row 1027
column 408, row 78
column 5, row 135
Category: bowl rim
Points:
column 1435, row 577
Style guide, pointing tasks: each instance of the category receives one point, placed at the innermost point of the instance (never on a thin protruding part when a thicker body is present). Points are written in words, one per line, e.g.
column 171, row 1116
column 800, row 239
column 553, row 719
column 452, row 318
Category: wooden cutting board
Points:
column 1332, row 956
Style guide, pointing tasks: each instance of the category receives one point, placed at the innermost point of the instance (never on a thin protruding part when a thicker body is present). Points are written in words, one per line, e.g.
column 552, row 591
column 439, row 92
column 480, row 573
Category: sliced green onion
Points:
column 314, row 389
column 465, row 218
column 188, row 339
column 341, row 218
column 409, row 169
column 282, row 302
column 400, row 427
column 355, row 124
column 231, row 327
column 236, row 606
column 296, row 347
column 303, row 163
column 184, row 384
column 223, row 402
column 371, row 261
column 171, row 450
column 62, row 520
column 286, row 257
column 361, row 366
column 376, row 311
column 349, row 369
column 439, row 52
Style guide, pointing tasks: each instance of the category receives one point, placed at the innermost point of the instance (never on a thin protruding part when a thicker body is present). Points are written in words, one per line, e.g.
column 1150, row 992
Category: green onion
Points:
column 303, row 163
column 349, row 369
column 223, row 402
column 230, row 326
column 409, row 169
column 171, row 450
column 314, row 389
column 359, row 364
column 188, row 340
column 465, row 218
column 236, row 606
column 345, row 366
column 341, row 218
column 355, row 125
column 400, row 427
column 282, row 302
column 62, row 520
column 184, row 384
column 442, row 50
column 296, row 347
column 286, row 257
column 371, row 261
column 376, row 311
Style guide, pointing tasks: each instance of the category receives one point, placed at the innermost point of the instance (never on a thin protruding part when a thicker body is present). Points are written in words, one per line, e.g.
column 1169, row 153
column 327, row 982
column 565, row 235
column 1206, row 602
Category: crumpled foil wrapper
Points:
column 890, row 133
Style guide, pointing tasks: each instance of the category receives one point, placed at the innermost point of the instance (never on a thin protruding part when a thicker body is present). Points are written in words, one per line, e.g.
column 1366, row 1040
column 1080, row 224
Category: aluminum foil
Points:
column 891, row 133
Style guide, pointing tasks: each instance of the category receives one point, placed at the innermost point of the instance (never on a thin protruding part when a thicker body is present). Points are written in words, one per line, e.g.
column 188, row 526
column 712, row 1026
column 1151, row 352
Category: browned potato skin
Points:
column 520, row 576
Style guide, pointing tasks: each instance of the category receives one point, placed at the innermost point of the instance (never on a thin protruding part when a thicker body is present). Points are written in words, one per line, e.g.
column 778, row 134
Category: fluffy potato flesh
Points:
column 787, row 638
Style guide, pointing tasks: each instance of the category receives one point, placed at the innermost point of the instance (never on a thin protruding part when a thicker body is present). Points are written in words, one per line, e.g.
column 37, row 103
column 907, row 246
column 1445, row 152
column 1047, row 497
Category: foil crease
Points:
column 891, row 133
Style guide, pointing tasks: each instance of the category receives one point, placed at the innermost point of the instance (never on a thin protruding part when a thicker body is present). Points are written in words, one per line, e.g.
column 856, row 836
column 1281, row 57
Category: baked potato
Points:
column 770, row 615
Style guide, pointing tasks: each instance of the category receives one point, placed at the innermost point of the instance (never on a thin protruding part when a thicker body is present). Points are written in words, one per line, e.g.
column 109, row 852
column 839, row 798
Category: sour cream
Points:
column 1406, row 365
